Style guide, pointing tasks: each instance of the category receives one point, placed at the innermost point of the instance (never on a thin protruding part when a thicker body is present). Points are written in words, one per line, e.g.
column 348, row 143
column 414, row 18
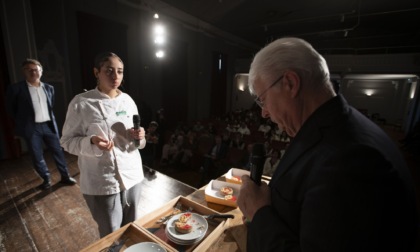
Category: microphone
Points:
column 257, row 160
column 136, row 122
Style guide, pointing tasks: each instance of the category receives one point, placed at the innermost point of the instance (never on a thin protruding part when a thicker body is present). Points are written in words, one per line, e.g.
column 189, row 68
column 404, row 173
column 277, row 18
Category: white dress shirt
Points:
column 39, row 101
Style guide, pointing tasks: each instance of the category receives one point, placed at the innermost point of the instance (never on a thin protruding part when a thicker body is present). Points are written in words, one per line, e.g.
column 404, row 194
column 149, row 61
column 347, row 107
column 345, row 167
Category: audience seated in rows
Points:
column 192, row 146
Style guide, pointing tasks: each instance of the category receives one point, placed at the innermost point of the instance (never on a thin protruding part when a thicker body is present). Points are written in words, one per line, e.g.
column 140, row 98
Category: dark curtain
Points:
column 9, row 146
column 175, row 83
column 97, row 35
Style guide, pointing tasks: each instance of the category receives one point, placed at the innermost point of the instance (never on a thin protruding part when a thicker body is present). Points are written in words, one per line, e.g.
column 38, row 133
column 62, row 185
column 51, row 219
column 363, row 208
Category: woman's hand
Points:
column 137, row 133
column 102, row 143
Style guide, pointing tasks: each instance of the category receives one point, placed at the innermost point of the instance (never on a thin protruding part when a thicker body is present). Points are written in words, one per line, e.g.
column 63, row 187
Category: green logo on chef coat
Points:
column 121, row 113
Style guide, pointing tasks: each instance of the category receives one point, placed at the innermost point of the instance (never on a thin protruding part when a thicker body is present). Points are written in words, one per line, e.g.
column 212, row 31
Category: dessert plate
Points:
column 145, row 247
column 199, row 228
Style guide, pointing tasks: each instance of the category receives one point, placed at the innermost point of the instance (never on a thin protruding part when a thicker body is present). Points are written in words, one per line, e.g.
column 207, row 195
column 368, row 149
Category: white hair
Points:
column 289, row 54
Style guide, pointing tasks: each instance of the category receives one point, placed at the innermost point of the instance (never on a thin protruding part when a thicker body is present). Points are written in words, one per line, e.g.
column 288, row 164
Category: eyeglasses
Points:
column 258, row 100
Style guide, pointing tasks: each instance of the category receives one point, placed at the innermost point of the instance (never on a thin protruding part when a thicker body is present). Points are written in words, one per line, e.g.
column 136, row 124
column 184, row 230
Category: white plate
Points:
column 145, row 247
column 199, row 228
column 181, row 242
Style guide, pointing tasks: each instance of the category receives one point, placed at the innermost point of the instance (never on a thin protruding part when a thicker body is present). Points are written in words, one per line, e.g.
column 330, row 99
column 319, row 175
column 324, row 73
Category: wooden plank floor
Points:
column 58, row 219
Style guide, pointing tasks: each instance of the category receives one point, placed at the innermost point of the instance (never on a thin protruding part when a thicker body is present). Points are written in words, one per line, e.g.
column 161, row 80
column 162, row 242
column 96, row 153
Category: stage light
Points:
column 159, row 29
column 369, row 92
column 159, row 40
column 160, row 54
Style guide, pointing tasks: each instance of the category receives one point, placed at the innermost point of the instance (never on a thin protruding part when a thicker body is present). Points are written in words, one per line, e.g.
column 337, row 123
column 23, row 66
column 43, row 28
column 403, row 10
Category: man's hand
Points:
column 252, row 197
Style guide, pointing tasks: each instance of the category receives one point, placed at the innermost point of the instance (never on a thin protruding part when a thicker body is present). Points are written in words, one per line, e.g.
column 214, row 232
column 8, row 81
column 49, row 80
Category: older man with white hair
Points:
column 342, row 185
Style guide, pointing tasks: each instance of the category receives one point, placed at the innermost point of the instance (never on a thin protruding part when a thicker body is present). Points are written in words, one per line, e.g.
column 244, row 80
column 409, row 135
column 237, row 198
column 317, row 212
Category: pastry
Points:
column 226, row 190
column 182, row 227
column 230, row 197
column 237, row 178
column 184, row 217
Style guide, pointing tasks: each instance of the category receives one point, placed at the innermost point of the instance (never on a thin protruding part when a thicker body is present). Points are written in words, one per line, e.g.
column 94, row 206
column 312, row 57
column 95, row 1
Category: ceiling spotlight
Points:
column 158, row 29
column 156, row 16
column 159, row 40
column 160, row 54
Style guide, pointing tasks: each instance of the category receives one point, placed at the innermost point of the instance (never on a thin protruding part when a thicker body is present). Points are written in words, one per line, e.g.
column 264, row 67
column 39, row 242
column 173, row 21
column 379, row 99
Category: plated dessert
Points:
column 182, row 225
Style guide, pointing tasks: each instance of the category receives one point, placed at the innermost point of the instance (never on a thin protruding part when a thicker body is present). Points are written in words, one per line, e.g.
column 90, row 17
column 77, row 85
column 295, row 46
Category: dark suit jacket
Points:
column 342, row 185
column 20, row 107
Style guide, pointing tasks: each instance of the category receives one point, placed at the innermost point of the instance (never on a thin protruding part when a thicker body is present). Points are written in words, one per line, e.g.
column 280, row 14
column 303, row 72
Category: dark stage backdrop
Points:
column 98, row 35
column 175, row 83
column 9, row 146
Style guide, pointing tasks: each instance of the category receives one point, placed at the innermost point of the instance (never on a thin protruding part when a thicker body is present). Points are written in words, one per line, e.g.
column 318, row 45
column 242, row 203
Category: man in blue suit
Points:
column 30, row 103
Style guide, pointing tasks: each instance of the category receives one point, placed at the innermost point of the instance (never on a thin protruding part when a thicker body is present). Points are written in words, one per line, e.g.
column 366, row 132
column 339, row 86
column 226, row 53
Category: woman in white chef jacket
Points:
column 99, row 130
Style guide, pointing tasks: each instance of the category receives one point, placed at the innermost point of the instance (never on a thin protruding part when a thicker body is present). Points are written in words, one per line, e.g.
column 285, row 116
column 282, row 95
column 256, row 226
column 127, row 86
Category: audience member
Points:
column 198, row 127
column 188, row 148
column 245, row 162
column 226, row 139
column 148, row 153
column 237, row 141
column 230, row 128
column 284, row 137
column 171, row 149
column 213, row 160
column 271, row 163
column 268, row 149
column 243, row 129
column 30, row 103
column 275, row 133
column 211, row 129
column 342, row 184
column 99, row 130
column 265, row 128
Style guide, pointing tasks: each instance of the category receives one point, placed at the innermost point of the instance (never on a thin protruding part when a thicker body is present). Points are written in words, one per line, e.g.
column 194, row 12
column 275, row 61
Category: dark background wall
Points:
column 187, row 83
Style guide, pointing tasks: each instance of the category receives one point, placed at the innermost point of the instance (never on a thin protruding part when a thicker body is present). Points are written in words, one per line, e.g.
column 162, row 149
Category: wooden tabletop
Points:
column 230, row 235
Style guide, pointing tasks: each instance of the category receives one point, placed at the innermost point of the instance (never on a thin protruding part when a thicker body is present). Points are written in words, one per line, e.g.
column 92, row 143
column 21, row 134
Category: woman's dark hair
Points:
column 101, row 58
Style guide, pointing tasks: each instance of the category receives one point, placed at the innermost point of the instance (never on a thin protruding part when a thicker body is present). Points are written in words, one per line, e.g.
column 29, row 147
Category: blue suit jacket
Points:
column 342, row 185
column 20, row 107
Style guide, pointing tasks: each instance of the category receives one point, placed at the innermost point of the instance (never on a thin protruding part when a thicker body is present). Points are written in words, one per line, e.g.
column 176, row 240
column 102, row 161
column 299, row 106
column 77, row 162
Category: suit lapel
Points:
column 47, row 94
column 25, row 91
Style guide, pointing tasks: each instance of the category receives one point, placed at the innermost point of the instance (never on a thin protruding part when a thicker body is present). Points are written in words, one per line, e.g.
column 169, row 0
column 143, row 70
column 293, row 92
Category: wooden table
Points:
column 232, row 233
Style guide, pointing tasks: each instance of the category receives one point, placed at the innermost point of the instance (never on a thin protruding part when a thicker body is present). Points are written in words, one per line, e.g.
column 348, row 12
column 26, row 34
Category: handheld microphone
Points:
column 136, row 122
column 257, row 160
